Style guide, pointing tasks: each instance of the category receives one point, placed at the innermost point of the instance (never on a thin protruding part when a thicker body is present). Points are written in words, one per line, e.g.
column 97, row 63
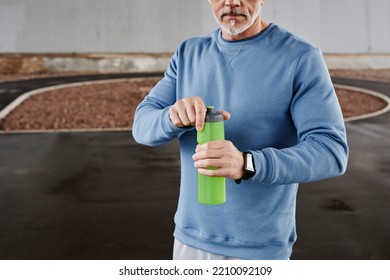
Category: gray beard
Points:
column 232, row 29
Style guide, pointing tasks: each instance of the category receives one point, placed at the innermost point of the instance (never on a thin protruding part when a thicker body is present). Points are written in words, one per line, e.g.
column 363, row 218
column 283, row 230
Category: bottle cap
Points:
column 213, row 116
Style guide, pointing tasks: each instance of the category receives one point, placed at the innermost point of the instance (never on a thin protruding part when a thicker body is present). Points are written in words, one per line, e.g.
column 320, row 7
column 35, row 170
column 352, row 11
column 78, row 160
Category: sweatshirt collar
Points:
column 239, row 43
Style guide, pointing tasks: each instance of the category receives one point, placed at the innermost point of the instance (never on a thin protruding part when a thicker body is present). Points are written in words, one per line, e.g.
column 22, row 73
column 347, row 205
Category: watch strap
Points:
column 249, row 168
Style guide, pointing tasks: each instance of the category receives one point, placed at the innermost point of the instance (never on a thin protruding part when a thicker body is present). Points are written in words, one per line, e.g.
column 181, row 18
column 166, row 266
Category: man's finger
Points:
column 174, row 117
column 200, row 113
column 212, row 145
column 206, row 163
column 191, row 115
column 199, row 155
column 226, row 115
column 220, row 172
column 182, row 113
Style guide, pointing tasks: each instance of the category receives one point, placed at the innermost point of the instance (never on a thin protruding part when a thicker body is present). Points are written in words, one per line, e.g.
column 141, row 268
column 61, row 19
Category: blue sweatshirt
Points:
column 283, row 109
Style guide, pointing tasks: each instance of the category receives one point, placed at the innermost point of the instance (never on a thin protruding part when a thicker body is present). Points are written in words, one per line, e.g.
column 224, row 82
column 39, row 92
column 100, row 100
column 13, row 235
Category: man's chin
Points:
column 233, row 31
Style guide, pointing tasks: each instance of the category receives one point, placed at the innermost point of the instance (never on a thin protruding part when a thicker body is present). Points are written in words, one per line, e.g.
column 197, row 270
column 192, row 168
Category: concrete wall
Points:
column 337, row 26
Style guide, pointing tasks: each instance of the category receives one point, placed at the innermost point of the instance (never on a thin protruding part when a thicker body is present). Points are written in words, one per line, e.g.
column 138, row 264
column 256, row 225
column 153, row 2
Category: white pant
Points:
column 185, row 252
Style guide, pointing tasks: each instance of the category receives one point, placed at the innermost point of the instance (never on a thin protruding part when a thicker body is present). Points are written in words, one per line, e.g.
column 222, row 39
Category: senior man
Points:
column 282, row 116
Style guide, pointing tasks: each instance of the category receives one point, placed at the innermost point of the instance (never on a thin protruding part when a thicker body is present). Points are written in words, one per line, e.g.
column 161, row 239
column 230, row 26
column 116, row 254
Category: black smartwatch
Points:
column 249, row 167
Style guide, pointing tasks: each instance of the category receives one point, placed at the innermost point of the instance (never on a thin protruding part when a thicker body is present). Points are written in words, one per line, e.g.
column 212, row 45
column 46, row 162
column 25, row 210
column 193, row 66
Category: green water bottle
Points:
column 211, row 190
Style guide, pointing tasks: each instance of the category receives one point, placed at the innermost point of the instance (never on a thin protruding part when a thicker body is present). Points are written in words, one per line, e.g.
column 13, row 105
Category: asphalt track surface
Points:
column 99, row 195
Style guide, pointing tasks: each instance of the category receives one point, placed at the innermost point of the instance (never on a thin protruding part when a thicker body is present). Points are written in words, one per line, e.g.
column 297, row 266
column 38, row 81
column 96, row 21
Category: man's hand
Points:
column 190, row 111
column 221, row 154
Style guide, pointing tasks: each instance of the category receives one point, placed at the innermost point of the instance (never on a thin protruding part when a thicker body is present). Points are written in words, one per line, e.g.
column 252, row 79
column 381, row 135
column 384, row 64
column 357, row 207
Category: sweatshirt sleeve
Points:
column 152, row 125
column 322, row 150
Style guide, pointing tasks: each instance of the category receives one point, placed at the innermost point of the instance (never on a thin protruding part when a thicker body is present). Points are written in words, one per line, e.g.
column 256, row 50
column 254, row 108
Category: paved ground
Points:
column 347, row 217
column 100, row 195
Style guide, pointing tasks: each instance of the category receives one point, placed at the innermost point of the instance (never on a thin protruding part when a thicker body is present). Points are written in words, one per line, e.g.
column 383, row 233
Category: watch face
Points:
column 249, row 163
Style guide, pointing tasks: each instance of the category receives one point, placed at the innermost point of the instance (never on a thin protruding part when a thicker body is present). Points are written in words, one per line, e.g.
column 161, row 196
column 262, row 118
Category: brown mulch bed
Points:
column 357, row 103
column 112, row 105
column 99, row 105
